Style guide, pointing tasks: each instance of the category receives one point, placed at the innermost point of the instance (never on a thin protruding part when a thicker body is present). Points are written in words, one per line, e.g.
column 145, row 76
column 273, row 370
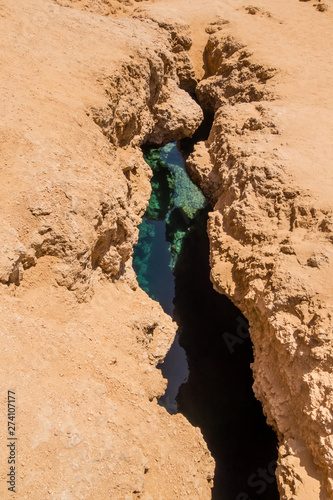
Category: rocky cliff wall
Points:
column 142, row 103
column 80, row 340
column 271, row 248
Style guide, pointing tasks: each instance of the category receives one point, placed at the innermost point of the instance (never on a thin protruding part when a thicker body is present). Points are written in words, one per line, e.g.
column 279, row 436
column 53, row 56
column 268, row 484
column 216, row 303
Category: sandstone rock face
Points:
column 180, row 43
column 143, row 104
column 81, row 91
column 146, row 103
column 271, row 248
column 147, row 106
column 231, row 76
column 80, row 340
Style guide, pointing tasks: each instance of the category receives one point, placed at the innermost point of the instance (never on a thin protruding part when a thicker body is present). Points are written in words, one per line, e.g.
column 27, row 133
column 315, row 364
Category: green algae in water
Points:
column 170, row 216
column 171, row 186
column 177, row 226
column 188, row 200
column 163, row 185
column 187, row 195
column 174, row 202
column 142, row 253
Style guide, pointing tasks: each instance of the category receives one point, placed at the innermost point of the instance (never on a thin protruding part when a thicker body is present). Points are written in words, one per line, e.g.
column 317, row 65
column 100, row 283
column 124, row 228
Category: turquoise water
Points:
column 173, row 205
column 210, row 385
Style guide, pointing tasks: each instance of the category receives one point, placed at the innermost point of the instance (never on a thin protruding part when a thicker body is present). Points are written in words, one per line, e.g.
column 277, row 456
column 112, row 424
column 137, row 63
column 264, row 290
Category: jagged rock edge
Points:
column 289, row 324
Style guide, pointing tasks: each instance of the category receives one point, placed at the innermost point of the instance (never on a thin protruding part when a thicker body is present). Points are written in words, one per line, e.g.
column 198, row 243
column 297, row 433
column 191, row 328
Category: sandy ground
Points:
column 84, row 370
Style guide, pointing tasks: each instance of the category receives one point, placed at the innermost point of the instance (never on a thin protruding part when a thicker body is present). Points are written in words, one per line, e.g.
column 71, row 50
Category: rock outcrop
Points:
column 81, row 91
column 271, row 248
column 143, row 104
column 80, row 340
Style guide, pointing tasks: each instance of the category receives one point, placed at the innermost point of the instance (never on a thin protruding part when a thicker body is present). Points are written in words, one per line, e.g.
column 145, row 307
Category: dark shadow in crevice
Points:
column 186, row 145
column 218, row 395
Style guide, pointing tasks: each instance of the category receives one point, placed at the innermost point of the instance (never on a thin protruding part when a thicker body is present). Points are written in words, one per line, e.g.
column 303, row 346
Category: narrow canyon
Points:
column 166, row 246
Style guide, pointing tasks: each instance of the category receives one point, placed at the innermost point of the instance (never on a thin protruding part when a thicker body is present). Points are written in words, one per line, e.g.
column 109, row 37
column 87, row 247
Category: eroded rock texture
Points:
column 81, row 92
column 271, row 248
column 80, row 340
column 142, row 103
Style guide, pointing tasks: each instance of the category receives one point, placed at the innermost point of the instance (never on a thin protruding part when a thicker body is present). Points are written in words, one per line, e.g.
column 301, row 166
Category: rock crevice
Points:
column 80, row 339
column 269, row 240
column 144, row 104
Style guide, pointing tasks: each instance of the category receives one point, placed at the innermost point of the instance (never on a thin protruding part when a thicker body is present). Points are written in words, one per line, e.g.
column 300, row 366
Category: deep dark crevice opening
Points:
column 186, row 145
column 218, row 395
